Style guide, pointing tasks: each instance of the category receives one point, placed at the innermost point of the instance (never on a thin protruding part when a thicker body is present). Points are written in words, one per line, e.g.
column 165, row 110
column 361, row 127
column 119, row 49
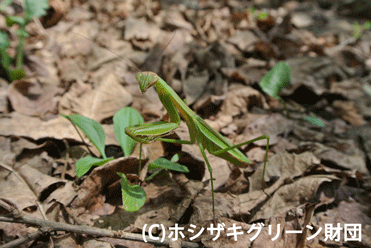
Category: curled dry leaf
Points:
column 142, row 33
column 33, row 127
column 292, row 195
column 346, row 212
column 284, row 165
column 41, row 184
column 244, row 40
column 312, row 73
column 220, row 166
column 24, row 200
column 272, row 125
column 334, row 157
column 194, row 86
column 98, row 104
column 57, row 10
column 90, row 193
column 348, row 112
column 240, row 99
column 3, row 99
column 225, row 205
column 29, row 97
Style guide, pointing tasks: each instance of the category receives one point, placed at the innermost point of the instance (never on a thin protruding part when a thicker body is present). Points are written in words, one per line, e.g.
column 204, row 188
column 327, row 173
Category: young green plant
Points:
column 200, row 132
column 33, row 9
column 133, row 196
column 276, row 80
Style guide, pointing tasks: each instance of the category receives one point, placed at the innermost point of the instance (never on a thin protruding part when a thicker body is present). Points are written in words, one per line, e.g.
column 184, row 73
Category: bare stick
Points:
column 25, row 239
column 51, row 226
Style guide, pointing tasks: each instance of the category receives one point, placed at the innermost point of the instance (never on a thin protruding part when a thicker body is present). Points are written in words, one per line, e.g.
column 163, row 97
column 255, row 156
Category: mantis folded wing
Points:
column 200, row 132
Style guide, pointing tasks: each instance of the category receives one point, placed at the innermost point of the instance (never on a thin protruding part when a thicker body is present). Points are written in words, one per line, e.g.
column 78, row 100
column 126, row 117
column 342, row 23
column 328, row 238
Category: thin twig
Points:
column 51, row 226
column 25, row 239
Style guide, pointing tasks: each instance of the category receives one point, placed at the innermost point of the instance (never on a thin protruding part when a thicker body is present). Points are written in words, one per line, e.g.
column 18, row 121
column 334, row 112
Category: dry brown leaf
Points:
column 63, row 195
column 312, row 73
column 292, row 195
column 348, row 112
column 284, row 165
column 23, row 200
column 42, row 66
column 57, row 10
column 306, row 134
column 38, row 158
column 225, row 205
column 3, row 99
column 330, row 155
column 130, row 243
column 100, row 103
column 272, row 125
column 219, row 166
column 244, row 40
column 90, row 192
column 240, row 99
column 26, row 126
column 194, row 86
column 250, row 72
column 41, row 184
column 142, row 33
column 67, row 240
column 347, row 212
column 293, row 219
column 76, row 42
column 29, row 97
column 71, row 71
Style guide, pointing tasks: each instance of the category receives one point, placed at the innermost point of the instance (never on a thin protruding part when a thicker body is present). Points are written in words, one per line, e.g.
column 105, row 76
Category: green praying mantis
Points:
column 200, row 132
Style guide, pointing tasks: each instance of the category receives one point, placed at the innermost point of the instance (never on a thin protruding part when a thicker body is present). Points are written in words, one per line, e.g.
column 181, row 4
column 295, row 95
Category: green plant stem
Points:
column 22, row 38
column 83, row 141
column 140, row 159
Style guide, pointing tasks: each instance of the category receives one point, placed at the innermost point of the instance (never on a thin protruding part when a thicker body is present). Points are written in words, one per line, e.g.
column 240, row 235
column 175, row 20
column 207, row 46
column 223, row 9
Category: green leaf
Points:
column 83, row 165
column 314, row 121
column 356, row 30
column 367, row 89
column 367, row 25
column 175, row 158
column 5, row 58
column 276, row 79
column 155, row 173
column 4, row 41
column 35, row 8
column 17, row 74
column 92, row 129
column 263, row 16
column 133, row 196
column 11, row 20
column 166, row 164
column 123, row 118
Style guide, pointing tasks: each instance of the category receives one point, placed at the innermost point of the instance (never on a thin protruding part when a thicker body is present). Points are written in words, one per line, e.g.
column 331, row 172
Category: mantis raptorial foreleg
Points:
column 200, row 132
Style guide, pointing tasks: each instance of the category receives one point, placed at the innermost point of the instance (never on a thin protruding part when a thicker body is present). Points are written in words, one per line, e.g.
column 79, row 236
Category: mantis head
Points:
column 146, row 80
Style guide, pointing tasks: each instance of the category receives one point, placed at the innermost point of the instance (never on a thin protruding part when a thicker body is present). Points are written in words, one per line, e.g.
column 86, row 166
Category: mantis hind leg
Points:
column 246, row 143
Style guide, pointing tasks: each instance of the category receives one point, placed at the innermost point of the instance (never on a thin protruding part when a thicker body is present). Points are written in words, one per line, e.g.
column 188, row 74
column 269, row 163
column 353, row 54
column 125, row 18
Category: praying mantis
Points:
column 200, row 132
